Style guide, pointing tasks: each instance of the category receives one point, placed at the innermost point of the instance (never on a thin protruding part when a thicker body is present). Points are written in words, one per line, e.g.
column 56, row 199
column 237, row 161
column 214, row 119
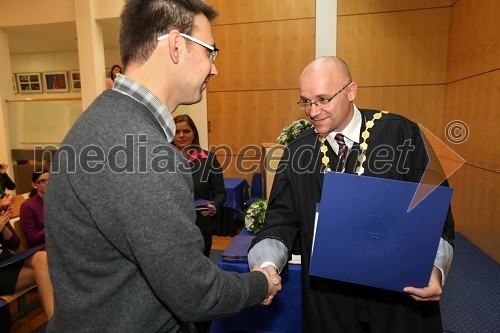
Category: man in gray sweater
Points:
column 124, row 252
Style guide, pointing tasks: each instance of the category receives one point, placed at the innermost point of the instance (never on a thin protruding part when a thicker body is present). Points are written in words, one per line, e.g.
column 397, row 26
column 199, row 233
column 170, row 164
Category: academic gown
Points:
column 333, row 306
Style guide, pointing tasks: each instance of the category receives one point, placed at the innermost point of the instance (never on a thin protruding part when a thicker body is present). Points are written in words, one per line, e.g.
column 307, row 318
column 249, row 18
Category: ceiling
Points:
column 56, row 37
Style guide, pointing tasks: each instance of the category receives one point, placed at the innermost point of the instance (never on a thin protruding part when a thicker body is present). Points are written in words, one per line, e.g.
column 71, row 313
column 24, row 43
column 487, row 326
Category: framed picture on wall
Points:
column 14, row 84
column 74, row 78
column 55, row 81
column 29, row 83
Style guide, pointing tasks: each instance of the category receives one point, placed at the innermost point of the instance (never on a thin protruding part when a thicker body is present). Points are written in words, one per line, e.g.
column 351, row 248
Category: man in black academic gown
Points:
column 326, row 96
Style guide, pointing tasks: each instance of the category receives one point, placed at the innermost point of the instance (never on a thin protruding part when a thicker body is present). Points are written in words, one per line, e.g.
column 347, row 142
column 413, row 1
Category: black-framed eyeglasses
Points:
column 306, row 105
column 42, row 181
column 213, row 50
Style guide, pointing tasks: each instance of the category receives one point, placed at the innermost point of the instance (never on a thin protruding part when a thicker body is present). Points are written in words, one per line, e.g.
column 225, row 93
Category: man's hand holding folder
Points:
column 432, row 292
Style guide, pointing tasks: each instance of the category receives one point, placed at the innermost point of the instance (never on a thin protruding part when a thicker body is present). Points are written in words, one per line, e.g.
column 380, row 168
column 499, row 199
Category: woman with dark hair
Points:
column 206, row 171
column 110, row 81
column 208, row 182
column 31, row 214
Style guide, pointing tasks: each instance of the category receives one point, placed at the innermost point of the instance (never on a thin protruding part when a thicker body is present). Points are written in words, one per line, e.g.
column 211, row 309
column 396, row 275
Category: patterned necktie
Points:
column 342, row 150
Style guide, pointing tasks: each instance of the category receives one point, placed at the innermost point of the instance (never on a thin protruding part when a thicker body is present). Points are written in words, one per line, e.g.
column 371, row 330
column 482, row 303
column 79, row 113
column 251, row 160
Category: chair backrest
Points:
column 16, row 224
column 256, row 189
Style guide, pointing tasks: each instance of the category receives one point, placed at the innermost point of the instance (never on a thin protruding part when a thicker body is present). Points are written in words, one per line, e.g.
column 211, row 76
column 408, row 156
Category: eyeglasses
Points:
column 213, row 50
column 306, row 105
column 42, row 181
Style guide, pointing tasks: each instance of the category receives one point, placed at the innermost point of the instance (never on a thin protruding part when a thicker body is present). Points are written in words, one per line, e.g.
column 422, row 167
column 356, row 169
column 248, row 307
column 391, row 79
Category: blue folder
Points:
column 200, row 204
column 20, row 256
column 364, row 234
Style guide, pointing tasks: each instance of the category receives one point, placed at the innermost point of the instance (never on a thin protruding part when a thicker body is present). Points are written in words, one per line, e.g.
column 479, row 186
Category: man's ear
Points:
column 352, row 91
column 174, row 40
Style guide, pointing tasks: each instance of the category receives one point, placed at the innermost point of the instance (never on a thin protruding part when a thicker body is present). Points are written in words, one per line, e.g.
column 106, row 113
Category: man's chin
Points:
column 322, row 129
column 194, row 100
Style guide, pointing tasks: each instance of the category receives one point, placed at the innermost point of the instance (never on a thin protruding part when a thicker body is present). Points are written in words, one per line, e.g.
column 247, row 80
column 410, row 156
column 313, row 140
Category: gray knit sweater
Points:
column 124, row 252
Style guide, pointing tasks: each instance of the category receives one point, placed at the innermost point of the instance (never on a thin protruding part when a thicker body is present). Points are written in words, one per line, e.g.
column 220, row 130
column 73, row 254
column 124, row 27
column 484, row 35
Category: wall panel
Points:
column 243, row 11
column 474, row 45
column 474, row 101
column 422, row 104
column 475, row 207
column 368, row 6
column 246, row 118
column 260, row 56
column 399, row 48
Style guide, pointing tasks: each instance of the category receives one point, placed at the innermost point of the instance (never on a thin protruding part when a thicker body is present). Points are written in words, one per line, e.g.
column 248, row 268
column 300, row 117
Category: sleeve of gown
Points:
column 281, row 225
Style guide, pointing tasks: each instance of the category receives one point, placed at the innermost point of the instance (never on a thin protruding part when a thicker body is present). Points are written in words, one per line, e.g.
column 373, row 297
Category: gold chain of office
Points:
column 363, row 146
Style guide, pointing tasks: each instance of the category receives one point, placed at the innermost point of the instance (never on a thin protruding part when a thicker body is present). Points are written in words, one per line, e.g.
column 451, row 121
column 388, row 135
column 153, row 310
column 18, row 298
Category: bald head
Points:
column 330, row 65
column 328, row 79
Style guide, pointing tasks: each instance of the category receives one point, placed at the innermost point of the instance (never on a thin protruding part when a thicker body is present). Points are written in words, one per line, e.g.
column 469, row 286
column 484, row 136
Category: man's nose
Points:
column 314, row 111
column 214, row 72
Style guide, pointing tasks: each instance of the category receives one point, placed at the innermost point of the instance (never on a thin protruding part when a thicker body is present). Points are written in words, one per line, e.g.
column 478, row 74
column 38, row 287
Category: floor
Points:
column 36, row 317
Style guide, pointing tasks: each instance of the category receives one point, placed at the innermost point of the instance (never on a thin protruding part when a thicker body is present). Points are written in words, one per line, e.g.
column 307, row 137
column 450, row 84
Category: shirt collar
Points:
column 350, row 132
column 127, row 86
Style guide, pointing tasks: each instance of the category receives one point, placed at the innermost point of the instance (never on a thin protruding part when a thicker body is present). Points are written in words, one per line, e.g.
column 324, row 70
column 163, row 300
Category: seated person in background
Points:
column 206, row 171
column 110, row 81
column 31, row 214
column 5, row 182
column 25, row 273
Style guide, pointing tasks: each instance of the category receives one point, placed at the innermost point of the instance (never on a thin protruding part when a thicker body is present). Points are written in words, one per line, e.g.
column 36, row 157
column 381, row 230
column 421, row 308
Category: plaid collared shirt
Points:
column 141, row 94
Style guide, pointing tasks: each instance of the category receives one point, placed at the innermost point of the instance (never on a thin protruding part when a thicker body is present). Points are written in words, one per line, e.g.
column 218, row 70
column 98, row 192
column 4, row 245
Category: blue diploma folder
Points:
column 200, row 204
column 364, row 234
column 20, row 256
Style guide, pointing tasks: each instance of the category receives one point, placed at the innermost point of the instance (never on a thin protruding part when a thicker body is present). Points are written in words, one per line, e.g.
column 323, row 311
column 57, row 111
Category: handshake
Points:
column 273, row 282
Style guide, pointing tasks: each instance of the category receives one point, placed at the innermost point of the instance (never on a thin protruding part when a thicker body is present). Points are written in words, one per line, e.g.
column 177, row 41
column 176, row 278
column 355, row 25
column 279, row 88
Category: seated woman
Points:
column 25, row 273
column 110, row 81
column 207, row 176
column 31, row 213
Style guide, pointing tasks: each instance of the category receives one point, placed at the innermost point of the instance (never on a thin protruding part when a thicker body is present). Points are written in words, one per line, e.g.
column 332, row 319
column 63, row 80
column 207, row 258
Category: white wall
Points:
column 33, row 123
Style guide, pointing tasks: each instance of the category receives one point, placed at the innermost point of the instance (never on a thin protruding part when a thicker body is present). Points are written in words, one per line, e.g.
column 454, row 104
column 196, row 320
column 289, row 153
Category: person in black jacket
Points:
column 5, row 182
column 206, row 171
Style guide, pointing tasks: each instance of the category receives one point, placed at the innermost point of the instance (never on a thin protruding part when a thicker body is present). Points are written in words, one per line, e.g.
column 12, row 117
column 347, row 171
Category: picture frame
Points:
column 55, row 81
column 14, row 84
column 29, row 83
column 75, row 82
